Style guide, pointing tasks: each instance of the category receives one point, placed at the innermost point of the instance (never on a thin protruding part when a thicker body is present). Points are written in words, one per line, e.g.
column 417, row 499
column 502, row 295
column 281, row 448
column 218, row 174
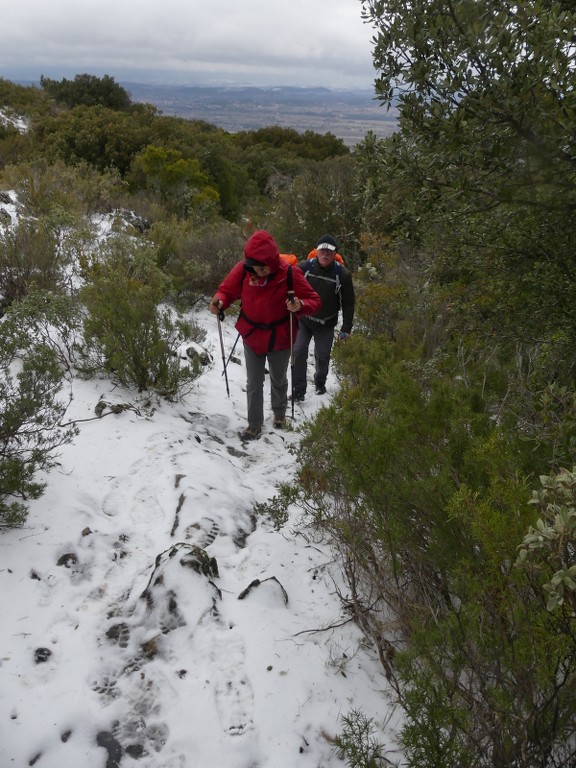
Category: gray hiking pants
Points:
column 323, row 336
column 255, row 372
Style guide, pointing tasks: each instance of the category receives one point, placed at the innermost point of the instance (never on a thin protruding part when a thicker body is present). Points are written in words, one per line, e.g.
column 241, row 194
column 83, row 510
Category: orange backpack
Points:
column 291, row 258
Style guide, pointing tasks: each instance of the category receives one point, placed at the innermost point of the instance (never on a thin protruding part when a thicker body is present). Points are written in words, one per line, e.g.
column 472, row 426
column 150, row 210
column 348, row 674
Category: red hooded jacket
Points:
column 264, row 321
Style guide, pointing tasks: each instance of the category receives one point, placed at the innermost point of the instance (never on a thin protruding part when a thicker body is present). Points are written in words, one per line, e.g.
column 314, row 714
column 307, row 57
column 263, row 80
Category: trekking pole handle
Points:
column 292, row 301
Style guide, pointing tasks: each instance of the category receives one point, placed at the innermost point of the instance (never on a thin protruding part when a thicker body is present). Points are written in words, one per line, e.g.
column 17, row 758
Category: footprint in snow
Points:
column 143, row 505
column 203, row 532
column 233, row 692
column 223, row 648
column 115, row 500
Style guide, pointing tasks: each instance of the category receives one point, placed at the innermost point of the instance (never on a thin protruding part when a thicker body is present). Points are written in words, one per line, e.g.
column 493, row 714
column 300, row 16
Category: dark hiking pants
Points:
column 323, row 336
column 255, row 372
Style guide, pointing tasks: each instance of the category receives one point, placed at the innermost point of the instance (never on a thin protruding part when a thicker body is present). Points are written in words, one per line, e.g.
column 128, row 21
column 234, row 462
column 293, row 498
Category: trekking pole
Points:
column 291, row 300
column 230, row 355
column 220, row 317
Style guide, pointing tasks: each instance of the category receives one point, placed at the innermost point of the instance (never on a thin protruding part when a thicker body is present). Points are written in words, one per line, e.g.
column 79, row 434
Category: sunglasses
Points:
column 252, row 269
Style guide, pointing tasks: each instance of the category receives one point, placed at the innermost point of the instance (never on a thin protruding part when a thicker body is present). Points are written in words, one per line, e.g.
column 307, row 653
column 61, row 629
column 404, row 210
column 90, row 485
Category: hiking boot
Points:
column 298, row 397
column 279, row 423
column 250, row 433
column 321, row 390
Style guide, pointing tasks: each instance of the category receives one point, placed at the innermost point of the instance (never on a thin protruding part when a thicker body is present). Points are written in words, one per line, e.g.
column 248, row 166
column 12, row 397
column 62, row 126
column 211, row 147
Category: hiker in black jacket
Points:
column 333, row 282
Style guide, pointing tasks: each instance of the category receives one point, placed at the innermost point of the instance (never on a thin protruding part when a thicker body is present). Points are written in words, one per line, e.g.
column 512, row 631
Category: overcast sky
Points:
column 254, row 42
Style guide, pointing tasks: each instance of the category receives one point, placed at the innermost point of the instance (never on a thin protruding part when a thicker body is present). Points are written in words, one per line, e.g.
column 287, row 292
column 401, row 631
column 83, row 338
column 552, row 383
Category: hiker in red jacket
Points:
column 262, row 282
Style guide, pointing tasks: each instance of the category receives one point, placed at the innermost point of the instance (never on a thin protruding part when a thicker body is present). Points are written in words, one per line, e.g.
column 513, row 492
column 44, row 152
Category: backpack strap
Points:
column 336, row 271
column 308, row 266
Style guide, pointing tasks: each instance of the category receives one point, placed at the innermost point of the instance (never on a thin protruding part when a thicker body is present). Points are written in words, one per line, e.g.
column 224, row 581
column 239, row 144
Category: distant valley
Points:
column 349, row 115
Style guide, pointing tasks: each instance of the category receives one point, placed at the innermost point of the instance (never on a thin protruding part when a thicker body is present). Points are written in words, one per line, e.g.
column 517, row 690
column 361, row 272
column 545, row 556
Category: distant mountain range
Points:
column 349, row 115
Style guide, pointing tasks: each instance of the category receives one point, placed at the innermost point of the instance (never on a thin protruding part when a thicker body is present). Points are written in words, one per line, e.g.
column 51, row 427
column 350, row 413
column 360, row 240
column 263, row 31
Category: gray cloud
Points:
column 258, row 42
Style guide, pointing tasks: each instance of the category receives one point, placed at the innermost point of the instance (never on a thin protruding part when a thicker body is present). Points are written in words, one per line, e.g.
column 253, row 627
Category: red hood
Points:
column 262, row 247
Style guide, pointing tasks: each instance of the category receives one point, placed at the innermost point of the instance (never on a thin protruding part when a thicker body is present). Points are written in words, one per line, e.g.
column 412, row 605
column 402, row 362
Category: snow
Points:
column 151, row 663
column 7, row 119
column 8, row 210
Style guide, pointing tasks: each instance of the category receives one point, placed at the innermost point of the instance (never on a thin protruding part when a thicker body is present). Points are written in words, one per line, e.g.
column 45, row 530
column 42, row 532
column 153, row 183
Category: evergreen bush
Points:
column 32, row 257
column 129, row 333
column 53, row 319
column 356, row 742
column 196, row 259
column 43, row 187
column 31, row 412
column 424, row 495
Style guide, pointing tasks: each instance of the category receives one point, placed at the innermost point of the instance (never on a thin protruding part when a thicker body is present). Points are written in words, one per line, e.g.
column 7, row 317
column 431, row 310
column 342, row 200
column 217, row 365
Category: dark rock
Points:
column 200, row 561
column 196, row 352
column 133, row 220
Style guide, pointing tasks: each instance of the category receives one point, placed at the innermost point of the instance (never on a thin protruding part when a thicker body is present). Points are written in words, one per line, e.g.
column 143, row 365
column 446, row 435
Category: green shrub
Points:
column 129, row 333
column 31, row 257
column 88, row 90
column 320, row 198
column 43, row 187
column 178, row 181
column 196, row 259
column 276, row 509
column 548, row 550
column 52, row 319
column 423, row 493
column 30, row 417
column 356, row 743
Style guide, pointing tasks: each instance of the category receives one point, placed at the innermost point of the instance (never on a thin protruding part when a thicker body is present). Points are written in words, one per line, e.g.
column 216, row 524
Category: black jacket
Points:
column 335, row 287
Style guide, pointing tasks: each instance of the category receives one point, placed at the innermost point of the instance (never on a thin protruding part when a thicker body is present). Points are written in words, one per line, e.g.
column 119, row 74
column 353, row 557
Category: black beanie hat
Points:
column 327, row 241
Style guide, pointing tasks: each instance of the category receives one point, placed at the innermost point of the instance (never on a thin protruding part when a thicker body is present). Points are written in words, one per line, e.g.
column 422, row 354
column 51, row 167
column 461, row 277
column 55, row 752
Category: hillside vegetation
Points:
column 443, row 470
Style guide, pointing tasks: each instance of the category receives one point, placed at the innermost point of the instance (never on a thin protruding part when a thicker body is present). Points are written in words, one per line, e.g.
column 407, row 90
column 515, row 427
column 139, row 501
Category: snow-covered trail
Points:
column 150, row 618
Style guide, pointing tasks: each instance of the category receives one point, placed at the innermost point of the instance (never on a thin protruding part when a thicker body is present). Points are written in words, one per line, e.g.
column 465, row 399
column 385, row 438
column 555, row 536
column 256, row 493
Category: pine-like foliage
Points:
column 31, row 411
